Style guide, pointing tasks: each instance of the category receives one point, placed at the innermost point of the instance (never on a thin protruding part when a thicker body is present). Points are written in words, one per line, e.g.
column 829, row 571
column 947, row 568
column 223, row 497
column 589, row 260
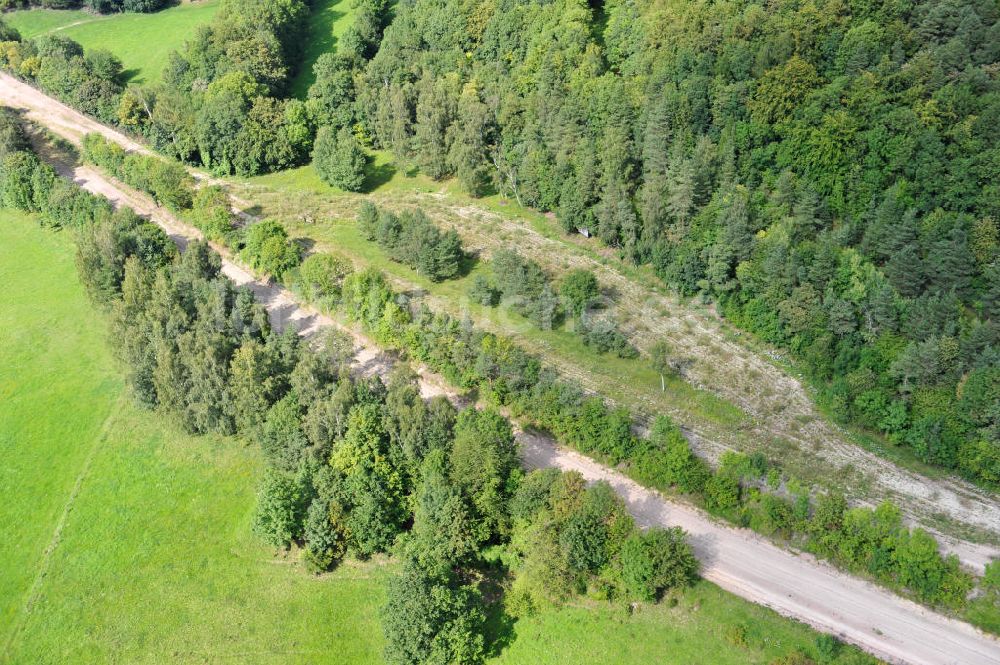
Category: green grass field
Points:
column 327, row 24
column 128, row 541
column 155, row 561
column 141, row 41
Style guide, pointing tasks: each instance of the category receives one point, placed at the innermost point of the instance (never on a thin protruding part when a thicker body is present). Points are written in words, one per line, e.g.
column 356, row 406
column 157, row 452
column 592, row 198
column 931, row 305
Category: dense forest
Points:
column 824, row 171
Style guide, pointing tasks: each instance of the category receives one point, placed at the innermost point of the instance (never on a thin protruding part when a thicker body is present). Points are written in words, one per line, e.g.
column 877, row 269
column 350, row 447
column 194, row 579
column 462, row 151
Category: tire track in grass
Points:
column 43, row 567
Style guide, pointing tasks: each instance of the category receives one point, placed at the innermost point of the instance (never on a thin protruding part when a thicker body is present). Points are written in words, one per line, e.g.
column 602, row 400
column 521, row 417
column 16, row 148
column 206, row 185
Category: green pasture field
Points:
column 141, row 41
column 124, row 539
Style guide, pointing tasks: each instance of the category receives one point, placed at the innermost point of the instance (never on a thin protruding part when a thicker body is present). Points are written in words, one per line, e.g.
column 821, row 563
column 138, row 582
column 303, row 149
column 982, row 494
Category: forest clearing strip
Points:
column 923, row 500
column 738, row 560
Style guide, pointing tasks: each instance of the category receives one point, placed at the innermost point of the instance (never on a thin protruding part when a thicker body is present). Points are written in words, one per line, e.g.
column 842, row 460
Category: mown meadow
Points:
column 141, row 41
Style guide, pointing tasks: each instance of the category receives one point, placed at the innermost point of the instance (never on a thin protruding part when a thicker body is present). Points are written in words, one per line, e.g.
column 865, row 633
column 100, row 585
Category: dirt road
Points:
column 737, row 560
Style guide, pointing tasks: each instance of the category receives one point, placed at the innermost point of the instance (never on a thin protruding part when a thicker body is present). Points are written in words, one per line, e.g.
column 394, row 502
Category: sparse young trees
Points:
column 412, row 239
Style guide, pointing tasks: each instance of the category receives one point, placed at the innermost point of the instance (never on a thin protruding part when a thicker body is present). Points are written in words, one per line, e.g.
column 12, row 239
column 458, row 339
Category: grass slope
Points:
column 141, row 41
column 155, row 562
column 327, row 24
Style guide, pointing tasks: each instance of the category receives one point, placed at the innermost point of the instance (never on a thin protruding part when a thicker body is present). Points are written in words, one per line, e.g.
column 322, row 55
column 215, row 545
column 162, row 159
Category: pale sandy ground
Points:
column 793, row 584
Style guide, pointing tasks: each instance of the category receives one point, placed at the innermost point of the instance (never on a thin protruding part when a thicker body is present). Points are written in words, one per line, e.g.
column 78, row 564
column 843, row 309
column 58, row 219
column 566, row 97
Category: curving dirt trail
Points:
column 739, row 561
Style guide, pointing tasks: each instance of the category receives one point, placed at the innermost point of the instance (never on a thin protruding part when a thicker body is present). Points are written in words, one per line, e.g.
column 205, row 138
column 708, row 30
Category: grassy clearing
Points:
column 323, row 215
column 141, row 41
column 327, row 24
column 155, row 561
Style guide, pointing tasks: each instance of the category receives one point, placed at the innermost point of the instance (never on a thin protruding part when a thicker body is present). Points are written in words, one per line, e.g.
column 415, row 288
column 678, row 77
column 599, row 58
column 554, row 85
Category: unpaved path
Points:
column 739, row 561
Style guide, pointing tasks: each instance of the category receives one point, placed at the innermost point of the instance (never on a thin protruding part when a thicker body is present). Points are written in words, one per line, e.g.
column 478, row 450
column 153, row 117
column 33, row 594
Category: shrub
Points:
column 431, row 619
column 320, row 277
column 483, row 291
column 279, row 512
column 656, row 560
column 603, row 335
column 579, row 290
column 212, row 214
column 339, row 159
column 168, row 183
column 266, row 247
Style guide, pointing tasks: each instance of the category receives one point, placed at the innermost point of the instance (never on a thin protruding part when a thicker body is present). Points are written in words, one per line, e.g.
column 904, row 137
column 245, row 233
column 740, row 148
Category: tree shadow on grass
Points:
column 255, row 210
column 499, row 629
column 131, row 76
column 468, row 261
column 377, row 175
column 307, row 244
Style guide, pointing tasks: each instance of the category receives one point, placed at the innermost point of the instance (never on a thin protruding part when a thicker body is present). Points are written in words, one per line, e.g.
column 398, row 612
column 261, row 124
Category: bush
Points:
column 655, row 561
column 92, row 82
column 325, row 534
column 722, row 493
column 320, row 277
column 665, row 460
column 579, row 290
column 484, row 292
column 279, row 513
column 212, row 214
column 604, row 337
column 168, row 183
column 518, row 277
column 267, row 248
column 339, row 159
column 431, row 619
